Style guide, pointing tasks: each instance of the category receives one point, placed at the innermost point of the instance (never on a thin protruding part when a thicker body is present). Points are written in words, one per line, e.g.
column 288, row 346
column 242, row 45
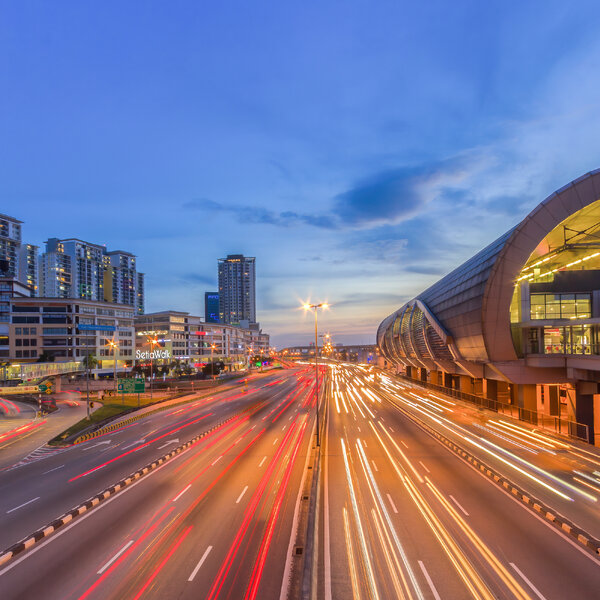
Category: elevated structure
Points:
column 520, row 321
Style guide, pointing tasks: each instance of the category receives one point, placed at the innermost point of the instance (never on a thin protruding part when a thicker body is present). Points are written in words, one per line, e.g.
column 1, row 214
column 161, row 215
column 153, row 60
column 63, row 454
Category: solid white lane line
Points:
column 55, row 469
column 262, row 461
column 424, row 467
column 533, row 588
column 458, row 504
column 22, row 505
column 392, row 503
column 241, row 495
column 206, row 553
column 112, row 560
column 429, row 582
column 182, row 492
column 375, row 466
column 402, row 442
column 214, row 462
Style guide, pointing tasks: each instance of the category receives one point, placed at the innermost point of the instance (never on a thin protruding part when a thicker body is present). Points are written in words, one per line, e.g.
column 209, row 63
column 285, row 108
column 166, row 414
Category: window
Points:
column 25, row 319
column 561, row 306
column 17, row 331
column 55, row 330
column 19, row 354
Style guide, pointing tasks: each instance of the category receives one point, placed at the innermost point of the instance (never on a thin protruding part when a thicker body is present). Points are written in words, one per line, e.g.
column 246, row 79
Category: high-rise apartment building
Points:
column 28, row 266
column 237, row 289
column 211, row 307
column 10, row 243
column 72, row 268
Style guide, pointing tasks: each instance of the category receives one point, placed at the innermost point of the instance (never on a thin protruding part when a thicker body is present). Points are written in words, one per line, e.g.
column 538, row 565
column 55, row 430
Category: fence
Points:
column 566, row 427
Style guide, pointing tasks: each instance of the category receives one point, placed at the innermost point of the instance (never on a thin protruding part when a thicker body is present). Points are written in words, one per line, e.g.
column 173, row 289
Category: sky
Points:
column 359, row 150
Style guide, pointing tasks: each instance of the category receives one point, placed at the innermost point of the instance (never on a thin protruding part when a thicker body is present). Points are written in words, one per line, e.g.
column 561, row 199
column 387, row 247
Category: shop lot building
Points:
column 519, row 323
column 194, row 342
column 66, row 330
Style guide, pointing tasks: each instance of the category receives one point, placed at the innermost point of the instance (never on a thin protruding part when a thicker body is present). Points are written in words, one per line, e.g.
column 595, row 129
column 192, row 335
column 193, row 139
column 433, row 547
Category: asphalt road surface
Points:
column 399, row 514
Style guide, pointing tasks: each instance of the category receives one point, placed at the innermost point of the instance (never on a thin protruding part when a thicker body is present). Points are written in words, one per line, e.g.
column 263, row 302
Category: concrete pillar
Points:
column 465, row 384
column 56, row 383
column 527, row 396
column 584, row 405
column 491, row 389
column 478, row 387
column 596, row 438
column 436, row 378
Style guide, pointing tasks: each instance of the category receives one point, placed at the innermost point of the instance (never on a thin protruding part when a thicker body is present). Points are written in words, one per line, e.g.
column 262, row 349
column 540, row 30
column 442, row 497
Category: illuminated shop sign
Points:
column 152, row 355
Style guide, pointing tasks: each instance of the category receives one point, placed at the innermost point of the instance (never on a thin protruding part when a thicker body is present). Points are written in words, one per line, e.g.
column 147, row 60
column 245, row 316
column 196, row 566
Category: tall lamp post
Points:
column 114, row 345
column 315, row 308
column 212, row 364
column 153, row 342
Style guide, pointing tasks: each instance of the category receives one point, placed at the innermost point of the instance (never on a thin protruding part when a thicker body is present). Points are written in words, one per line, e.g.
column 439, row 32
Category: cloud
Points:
column 393, row 196
column 261, row 216
column 199, row 278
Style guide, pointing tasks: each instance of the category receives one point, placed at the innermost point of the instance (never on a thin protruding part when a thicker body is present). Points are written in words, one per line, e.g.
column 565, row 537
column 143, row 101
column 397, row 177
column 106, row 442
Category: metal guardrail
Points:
column 572, row 429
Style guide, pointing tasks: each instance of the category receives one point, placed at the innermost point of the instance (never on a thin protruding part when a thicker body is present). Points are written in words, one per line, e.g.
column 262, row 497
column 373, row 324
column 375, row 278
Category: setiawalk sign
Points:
column 155, row 354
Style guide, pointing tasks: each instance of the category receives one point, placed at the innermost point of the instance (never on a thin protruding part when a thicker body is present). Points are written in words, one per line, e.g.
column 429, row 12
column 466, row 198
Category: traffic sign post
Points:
column 132, row 386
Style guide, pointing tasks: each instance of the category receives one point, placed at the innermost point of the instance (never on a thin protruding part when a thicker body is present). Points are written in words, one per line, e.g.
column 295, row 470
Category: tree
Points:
column 187, row 369
column 89, row 362
column 46, row 357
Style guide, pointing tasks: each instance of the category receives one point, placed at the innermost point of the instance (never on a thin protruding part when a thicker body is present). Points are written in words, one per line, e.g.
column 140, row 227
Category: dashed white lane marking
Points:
column 206, row 553
column 402, row 442
column 241, row 495
column 392, row 503
column 262, row 461
column 214, row 462
column 424, row 467
column 374, row 465
column 429, row 582
column 458, row 504
column 533, row 588
column 55, row 469
column 112, row 560
column 276, row 439
column 22, row 505
column 182, row 492
column 391, row 429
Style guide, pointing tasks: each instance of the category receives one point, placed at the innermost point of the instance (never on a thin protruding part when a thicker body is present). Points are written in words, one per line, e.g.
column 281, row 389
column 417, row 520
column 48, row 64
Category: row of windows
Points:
column 25, row 331
column 26, row 353
column 25, row 342
column 561, row 306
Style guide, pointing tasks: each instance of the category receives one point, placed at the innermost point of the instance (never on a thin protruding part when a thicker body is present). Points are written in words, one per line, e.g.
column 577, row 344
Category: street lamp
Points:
column 212, row 365
column 315, row 308
column 153, row 342
column 114, row 345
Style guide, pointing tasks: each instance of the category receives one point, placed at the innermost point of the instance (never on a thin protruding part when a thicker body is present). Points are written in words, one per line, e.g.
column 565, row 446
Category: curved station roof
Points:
column 473, row 321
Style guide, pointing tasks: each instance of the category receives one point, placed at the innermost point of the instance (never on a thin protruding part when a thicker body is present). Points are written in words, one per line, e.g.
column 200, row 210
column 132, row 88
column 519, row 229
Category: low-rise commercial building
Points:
column 194, row 342
column 69, row 330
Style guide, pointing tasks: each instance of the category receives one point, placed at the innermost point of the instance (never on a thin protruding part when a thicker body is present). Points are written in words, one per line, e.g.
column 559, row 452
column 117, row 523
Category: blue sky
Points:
column 359, row 150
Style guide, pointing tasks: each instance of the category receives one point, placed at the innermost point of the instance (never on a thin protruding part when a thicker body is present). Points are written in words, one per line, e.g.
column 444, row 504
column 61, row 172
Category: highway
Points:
column 215, row 518
column 403, row 517
column 399, row 515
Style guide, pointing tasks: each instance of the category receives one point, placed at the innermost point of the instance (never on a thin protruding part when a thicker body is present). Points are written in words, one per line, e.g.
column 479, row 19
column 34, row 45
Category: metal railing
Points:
column 572, row 429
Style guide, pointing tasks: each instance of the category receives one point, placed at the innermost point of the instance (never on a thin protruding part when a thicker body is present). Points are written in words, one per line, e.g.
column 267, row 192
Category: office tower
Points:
column 237, row 289
column 211, row 307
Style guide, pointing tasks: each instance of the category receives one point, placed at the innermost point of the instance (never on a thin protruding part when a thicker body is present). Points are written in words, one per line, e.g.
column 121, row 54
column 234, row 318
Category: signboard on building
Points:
column 82, row 327
column 152, row 354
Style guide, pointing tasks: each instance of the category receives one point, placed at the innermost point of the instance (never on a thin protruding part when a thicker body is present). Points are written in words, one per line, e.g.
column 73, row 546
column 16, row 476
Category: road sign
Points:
column 45, row 387
column 131, row 386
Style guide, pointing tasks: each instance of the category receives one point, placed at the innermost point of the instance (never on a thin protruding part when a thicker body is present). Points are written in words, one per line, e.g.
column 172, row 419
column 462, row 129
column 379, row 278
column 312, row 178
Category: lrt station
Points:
column 517, row 327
